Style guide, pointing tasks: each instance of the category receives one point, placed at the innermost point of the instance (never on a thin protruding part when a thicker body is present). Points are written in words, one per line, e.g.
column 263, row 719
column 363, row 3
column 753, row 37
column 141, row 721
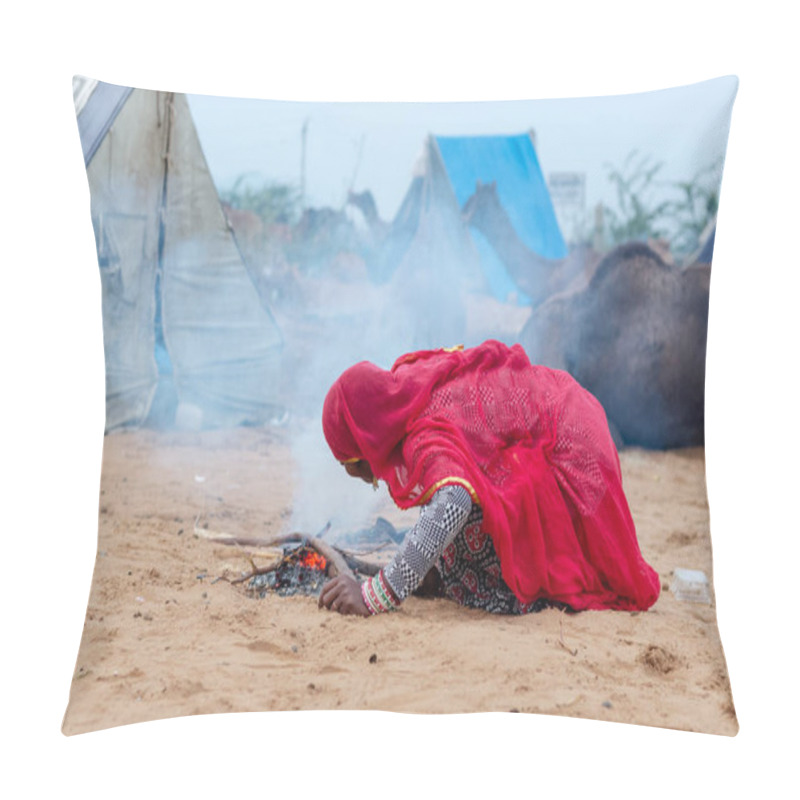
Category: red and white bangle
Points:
column 378, row 596
column 365, row 596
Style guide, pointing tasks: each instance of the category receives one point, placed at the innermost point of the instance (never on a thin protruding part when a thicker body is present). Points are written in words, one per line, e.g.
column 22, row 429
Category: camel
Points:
column 632, row 330
column 364, row 201
column 538, row 277
column 383, row 243
column 634, row 336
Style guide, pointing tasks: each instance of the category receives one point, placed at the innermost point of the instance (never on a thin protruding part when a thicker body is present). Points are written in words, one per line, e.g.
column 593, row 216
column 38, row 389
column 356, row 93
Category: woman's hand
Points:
column 343, row 594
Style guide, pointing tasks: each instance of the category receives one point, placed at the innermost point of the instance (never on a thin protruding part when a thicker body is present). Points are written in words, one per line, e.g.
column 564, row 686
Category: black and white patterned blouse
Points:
column 449, row 538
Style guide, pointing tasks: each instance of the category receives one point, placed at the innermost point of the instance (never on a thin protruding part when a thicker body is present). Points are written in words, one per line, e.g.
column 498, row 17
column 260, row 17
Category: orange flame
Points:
column 313, row 560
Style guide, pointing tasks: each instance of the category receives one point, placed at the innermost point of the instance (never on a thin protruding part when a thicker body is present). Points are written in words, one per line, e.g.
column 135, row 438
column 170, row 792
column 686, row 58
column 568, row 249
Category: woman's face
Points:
column 360, row 469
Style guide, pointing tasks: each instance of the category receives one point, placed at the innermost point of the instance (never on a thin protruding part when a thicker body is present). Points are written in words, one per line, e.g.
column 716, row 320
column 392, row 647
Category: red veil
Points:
column 530, row 445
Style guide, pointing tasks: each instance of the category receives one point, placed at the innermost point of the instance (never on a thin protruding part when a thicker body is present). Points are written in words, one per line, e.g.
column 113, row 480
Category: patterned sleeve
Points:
column 439, row 523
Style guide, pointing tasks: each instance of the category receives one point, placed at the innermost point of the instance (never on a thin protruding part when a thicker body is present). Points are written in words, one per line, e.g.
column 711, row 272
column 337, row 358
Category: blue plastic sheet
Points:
column 98, row 116
column 511, row 162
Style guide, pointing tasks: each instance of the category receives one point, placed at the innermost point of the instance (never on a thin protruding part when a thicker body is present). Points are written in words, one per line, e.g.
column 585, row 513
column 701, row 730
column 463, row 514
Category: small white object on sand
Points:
column 690, row 585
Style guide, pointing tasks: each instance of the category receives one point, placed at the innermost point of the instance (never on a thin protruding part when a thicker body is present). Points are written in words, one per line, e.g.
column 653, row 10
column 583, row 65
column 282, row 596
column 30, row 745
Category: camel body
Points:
column 635, row 336
column 631, row 328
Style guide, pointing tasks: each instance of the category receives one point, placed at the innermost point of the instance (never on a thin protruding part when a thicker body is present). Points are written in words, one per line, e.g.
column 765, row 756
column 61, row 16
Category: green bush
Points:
column 273, row 202
column 680, row 217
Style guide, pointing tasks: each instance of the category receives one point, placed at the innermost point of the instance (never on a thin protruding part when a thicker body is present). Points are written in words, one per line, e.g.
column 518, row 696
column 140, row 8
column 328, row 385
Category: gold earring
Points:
column 374, row 483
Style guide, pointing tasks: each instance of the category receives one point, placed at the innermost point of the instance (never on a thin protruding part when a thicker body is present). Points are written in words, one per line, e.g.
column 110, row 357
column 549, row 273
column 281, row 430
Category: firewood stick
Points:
column 273, row 541
column 257, row 571
column 367, row 552
column 246, row 541
column 335, row 559
column 364, row 567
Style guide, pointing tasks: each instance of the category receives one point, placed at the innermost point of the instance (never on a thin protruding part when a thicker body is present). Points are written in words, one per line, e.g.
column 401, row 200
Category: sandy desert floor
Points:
column 165, row 637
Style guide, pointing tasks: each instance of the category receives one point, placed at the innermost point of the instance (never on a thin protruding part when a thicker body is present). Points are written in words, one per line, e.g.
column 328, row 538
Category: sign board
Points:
column 567, row 188
column 568, row 193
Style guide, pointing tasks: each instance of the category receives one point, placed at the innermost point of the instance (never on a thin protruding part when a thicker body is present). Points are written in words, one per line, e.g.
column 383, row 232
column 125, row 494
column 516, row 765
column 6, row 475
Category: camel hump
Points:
column 365, row 202
column 482, row 202
column 485, row 188
column 356, row 198
column 628, row 253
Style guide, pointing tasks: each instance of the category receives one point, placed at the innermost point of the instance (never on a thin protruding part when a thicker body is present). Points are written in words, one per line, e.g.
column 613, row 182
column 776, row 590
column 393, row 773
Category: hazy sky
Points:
column 683, row 127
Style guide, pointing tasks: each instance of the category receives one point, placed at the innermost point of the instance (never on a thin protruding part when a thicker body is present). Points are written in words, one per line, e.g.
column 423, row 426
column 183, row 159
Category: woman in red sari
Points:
column 516, row 474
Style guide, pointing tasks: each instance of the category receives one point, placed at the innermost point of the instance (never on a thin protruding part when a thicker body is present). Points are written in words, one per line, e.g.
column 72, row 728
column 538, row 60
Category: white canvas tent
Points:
column 180, row 311
column 430, row 260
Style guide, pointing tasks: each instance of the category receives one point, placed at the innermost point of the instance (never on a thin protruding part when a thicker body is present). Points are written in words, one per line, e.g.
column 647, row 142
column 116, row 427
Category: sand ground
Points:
column 165, row 637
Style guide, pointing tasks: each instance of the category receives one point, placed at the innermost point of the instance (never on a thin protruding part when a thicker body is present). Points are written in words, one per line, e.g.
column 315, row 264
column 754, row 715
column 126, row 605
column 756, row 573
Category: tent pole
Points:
column 303, row 135
column 160, row 339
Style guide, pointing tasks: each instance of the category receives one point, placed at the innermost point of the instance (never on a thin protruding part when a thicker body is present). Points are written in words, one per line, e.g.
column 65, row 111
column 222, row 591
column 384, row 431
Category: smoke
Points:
column 221, row 361
column 347, row 318
column 323, row 490
column 189, row 331
column 344, row 323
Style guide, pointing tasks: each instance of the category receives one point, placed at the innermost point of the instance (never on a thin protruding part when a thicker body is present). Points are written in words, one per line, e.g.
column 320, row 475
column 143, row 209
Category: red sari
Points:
column 530, row 445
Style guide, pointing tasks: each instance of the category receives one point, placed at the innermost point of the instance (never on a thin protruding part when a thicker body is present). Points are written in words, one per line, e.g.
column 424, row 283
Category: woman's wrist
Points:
column 377, row 595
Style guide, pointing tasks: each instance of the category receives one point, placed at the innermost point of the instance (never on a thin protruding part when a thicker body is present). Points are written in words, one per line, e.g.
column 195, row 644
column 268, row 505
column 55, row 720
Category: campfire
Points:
column 301, row 570
column 307, row 561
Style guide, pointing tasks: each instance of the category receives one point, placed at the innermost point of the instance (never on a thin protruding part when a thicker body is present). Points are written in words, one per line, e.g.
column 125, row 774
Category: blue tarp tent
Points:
column 511, row 162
